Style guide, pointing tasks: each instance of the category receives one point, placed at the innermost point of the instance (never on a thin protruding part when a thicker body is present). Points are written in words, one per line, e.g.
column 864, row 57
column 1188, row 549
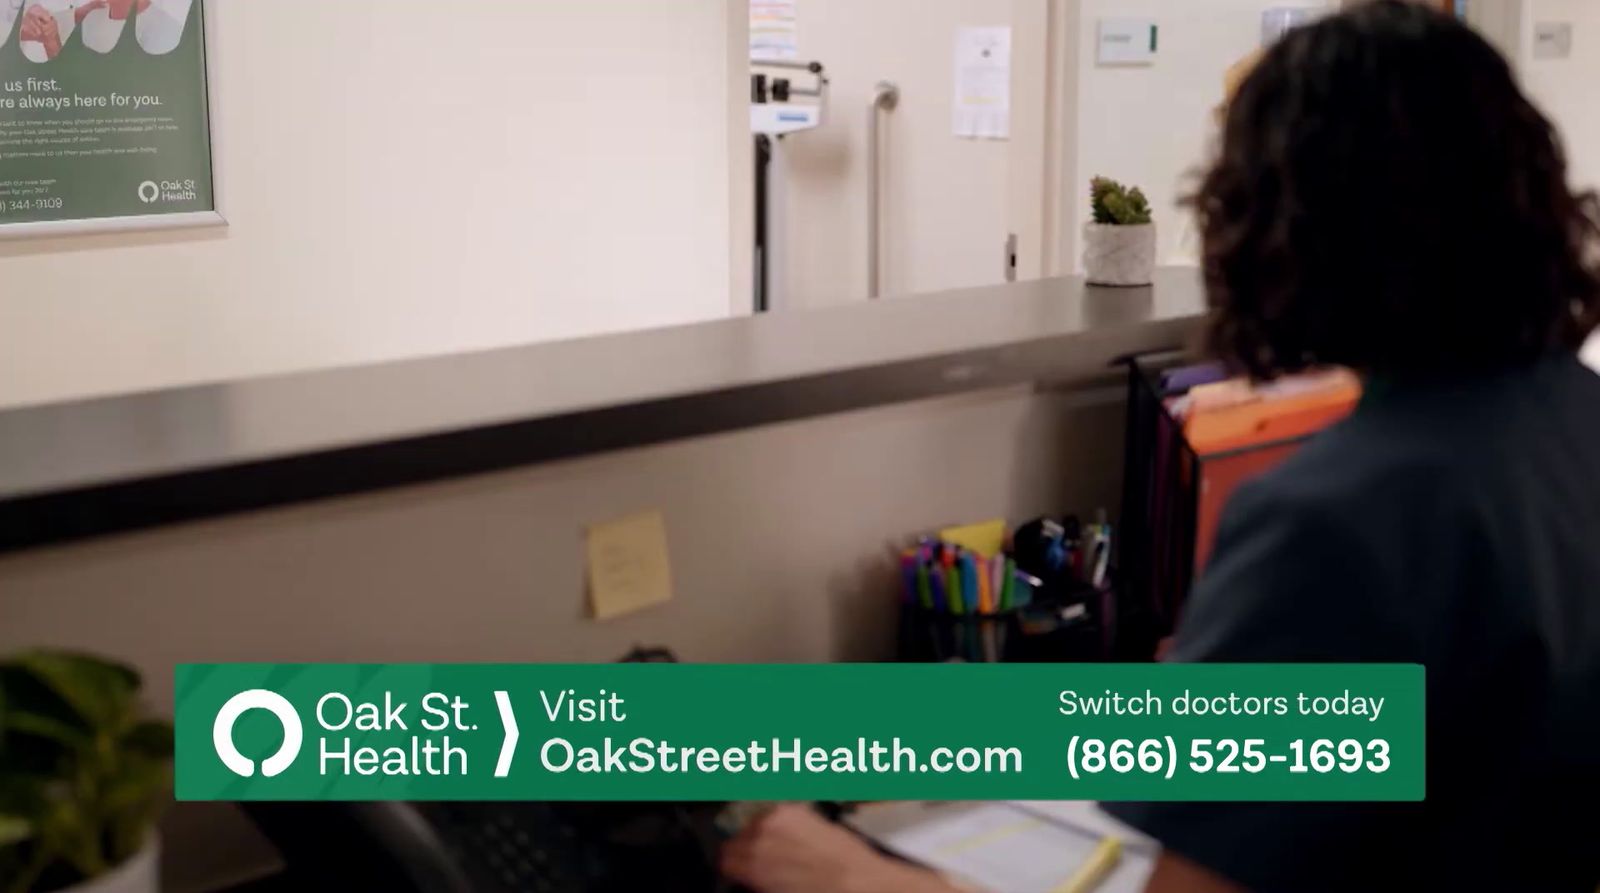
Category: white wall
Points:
column 948, row 202
column 404, row 178
column 1565, row 88
column 1153, row 126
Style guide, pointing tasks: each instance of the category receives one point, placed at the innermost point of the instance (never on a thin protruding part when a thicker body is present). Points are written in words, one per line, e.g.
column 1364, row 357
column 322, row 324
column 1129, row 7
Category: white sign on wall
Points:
column 1552, row 40
column 982, row 99
column 1127, row 42
column 774, row 29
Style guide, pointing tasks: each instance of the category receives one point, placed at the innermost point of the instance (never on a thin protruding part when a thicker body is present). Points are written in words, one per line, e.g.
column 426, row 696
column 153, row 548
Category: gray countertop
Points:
column 574, row 397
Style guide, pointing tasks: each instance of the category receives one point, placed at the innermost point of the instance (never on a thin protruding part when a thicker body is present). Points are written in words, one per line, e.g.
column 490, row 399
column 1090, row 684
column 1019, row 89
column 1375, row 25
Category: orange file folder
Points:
column 1239, row 432
column 1230, row 416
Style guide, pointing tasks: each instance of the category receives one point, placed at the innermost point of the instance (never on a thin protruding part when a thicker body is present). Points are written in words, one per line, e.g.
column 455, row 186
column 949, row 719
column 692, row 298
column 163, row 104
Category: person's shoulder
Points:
column 1575, row 389
column 1361, row 462
column 1314, row 559
column 1438, row 444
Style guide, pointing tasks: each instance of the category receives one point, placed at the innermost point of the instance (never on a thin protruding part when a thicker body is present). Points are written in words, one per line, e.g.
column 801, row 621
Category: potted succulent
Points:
column 84, row 774
column 1119, row 243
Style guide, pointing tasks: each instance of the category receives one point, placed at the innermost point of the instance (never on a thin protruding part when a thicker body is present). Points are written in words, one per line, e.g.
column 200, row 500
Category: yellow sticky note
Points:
column 628, row 569
column 986, row 539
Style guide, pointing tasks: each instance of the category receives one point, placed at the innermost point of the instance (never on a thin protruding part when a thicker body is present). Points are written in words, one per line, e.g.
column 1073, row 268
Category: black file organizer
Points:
column 1160, row 511
column 1171, row 505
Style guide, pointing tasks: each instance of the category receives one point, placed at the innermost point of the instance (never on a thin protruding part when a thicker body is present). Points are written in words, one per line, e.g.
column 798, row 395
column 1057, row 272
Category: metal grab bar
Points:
column 884, row 98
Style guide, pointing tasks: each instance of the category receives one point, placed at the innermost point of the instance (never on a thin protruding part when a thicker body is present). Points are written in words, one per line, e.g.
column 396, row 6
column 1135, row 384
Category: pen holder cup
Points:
column 1044, row 632
column 928, row 636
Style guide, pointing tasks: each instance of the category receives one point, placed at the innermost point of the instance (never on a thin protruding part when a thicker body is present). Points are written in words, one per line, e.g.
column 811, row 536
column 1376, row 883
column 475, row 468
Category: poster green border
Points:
column 209, row 11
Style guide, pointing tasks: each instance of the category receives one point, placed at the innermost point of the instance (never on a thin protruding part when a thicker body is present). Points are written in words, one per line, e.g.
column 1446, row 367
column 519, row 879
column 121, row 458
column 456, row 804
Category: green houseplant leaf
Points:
column 133, row 805
column 49, row 728
column 100, row 693
column 14, row 830
column 1113, row 204
column 83, row 773
column 150, row 738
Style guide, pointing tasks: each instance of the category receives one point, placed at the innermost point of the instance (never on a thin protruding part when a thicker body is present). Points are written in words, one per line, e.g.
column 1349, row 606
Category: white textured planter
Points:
column 1119, row 255
column 141, row 874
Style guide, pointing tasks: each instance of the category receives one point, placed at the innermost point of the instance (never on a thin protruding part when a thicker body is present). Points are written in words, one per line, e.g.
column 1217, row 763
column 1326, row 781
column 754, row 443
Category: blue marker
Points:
column 936, row 582
column 969, row 582
column 908, row 576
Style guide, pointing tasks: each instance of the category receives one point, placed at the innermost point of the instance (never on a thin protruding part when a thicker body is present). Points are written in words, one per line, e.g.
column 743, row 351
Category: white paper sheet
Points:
column 982, row 102
column 1001, row 848
column 774, row 29
column 1085, row 815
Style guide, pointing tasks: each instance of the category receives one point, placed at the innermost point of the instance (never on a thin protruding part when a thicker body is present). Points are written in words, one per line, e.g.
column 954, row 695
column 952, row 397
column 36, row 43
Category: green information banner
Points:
column 104, row 114
column 800, row 732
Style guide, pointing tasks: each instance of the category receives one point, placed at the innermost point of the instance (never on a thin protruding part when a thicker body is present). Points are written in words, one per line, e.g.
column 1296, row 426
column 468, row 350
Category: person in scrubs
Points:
column 1386, row 199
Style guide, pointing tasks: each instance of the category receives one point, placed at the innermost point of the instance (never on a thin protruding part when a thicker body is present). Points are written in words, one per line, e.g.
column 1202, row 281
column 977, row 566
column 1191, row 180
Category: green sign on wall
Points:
column 104, row 115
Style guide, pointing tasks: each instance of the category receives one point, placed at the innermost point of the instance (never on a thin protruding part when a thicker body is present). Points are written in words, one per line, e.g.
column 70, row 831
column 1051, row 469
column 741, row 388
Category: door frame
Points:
column 741, row 162
column 1045, row 197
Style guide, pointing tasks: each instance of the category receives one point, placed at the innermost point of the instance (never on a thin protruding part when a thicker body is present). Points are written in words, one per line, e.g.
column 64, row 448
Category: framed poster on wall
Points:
column 105, row 116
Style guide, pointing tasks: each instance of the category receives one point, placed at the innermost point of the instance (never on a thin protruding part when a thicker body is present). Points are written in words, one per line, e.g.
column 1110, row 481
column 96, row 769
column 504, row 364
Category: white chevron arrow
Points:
column 508, row 748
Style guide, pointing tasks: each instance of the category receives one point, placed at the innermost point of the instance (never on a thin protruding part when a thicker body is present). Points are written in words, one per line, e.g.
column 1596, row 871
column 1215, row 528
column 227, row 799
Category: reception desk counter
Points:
column 85, row 468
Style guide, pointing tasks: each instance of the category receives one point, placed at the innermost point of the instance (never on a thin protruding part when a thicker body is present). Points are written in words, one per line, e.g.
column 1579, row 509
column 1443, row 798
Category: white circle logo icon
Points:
column 257, row 699
column 149, row 191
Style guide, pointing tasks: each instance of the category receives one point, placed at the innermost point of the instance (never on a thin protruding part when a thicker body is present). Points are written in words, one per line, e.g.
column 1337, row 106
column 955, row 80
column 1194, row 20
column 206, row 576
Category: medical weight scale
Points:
column 778, row 109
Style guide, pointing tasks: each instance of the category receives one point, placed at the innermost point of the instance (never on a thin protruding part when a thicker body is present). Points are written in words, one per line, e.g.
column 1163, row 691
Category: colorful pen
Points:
column 952, row 579
column 980, row 574
column 971, row 599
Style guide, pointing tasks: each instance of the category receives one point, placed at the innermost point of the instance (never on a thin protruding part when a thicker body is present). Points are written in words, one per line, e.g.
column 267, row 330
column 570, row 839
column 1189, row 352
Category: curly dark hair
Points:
column 1386, row 198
